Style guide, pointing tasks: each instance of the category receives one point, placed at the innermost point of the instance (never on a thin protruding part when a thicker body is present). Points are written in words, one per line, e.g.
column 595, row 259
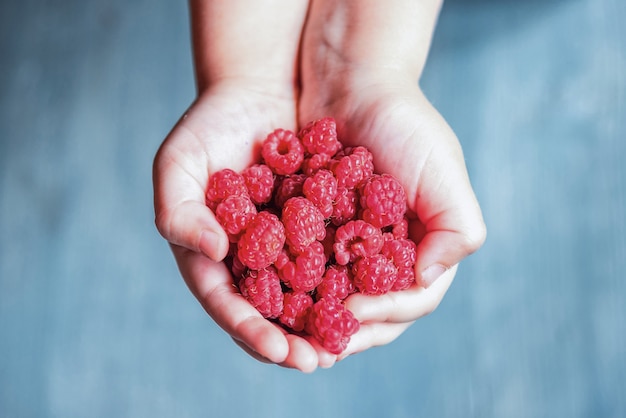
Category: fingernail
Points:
column 432, row 273
column 209, row 243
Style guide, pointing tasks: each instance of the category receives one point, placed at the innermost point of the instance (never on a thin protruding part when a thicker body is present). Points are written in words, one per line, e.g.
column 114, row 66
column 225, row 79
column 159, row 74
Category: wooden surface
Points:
column 95, row 321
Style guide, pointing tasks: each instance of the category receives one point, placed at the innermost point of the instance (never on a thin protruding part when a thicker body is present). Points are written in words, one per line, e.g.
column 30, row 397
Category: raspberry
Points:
column 403, row 254
column 332, row 324
column 296, row 308
column 321, row 190
column 290, row 186
column 259, row 181
column 238, row 268
column 283, row 152
column 374, row 275
column 315, row 162
column 406, row 277
column 222, row 184
column 383, row 200
column 262, row 289
column 336, row 283
column 356, row 239
column 401, row 229
column 353, row 167
column 304, row 223
column 345, row 207
column 320, row 137
column 234, row 214
column 306, row 271
column 262, row 241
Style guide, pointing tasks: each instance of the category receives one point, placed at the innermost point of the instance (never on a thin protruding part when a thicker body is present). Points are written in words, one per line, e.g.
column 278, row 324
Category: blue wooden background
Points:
column 95, row 321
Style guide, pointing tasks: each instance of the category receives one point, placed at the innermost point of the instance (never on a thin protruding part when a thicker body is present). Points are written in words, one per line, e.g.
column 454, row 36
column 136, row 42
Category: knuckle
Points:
column 474, row 237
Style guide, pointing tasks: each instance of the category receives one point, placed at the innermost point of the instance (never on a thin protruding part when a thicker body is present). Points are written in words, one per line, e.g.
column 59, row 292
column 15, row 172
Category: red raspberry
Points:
column 304, row 223
column 401, row 229
column 345, row 207
column 374, row 275
column 288, row 187
column 321, row 190
column 296, row 308
column 262, row 241
column 332, row 324
column 353, row 167
column 356, row 239
column 336, row 283
column 320, row 137
column 262, row 289
column 403, row 254
column 238, row 268
column 222, row 184
column 305, row 272
column 383, row 200
column 315, row 162
column 259, row 182
column 283, row 152
column 406, row 277
column 234, row 214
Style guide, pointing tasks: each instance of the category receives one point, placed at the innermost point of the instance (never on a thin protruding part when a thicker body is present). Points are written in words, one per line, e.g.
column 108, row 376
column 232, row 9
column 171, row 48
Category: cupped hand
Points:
column 222, row 129
column 389, row 114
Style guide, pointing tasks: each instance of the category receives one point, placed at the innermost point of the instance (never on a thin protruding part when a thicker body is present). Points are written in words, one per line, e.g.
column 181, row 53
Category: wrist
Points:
column 369, row 35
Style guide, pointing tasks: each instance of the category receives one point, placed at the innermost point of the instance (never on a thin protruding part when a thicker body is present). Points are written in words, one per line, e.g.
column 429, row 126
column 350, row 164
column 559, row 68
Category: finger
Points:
column 181, row 214
column 251, row 352
column 212, row 285
column 403, row 306
column 326, row 359
column 453, row 226
column 302, row 355
column 373, row 335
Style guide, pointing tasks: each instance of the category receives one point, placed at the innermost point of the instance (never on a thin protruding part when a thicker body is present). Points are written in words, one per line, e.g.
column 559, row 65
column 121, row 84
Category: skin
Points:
column 270, row 64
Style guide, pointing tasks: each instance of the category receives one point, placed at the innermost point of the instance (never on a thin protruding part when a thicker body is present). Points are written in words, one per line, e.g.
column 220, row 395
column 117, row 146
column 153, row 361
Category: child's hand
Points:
column 360, row 64
column 222, row 129
column 411, row 141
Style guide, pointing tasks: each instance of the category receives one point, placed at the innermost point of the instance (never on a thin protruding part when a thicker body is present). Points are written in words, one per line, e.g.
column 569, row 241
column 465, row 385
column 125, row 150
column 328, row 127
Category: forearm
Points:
column 369, row 35
column 246, row 40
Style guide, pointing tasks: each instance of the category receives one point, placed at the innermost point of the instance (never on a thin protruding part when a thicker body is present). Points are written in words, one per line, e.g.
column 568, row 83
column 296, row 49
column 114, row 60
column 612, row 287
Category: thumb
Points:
column 181, row 214
column 452, row 226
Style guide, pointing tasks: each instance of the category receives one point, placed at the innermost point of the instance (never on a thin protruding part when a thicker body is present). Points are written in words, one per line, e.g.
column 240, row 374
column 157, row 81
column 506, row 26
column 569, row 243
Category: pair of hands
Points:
column 380, row 107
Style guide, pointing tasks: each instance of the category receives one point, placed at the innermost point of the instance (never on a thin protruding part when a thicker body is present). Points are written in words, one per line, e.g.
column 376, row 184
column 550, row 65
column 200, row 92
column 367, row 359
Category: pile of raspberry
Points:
column 309, row 225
